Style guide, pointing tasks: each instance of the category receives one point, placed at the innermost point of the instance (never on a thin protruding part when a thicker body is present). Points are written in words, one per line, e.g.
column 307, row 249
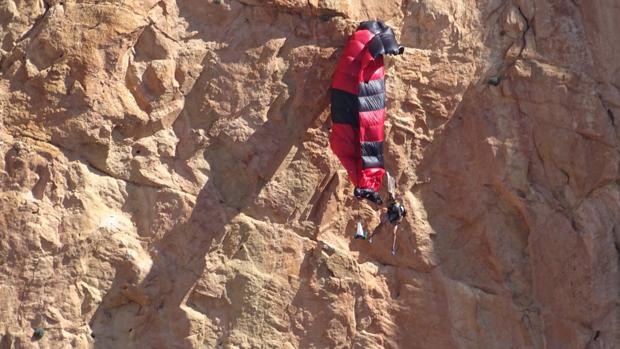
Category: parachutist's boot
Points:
column 359, row 232
column 368, row 194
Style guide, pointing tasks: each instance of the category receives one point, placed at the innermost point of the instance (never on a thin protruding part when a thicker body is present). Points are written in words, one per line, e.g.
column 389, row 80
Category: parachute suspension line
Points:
column 395, row 212
column 392, row 192
column 394, row 241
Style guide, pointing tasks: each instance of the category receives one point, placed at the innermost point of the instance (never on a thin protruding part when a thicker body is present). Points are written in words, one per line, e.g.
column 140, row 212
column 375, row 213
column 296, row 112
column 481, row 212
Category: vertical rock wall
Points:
column 166, row 182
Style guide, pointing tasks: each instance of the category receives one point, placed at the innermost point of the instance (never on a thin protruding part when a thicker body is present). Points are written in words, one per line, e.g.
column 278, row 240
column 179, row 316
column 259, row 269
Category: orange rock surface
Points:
column 166, row 180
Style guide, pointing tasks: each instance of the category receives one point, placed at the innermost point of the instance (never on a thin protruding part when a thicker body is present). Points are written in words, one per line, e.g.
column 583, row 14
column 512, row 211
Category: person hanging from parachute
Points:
column 394, row 215
column 358, row 113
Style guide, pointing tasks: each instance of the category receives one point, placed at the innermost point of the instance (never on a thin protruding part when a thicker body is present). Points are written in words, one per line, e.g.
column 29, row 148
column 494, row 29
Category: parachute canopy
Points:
column 358, row 106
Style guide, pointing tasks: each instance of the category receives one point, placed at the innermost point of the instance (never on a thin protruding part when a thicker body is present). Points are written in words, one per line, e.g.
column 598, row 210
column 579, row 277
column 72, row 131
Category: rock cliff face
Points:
column 165, row 178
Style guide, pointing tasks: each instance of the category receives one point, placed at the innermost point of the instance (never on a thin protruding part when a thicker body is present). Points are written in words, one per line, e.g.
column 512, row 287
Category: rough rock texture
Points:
column 165, row 179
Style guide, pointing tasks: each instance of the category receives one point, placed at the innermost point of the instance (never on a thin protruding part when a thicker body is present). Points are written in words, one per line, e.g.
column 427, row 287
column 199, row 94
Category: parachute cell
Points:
column 358, row 105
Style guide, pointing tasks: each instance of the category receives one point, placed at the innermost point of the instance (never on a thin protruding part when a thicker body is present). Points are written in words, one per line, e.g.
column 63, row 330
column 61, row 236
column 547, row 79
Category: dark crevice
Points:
column 595, row 336
column 539, row 155
column 589, row 194
column 594, row 138
column 610, row 113
column 616, row 243
column 496, row 79
column 573, row 224
column 388, row 264
column 36, row 24
column 327, row 16
column 494, row 11
column 161, row 31
column 524, row 41
column 443, row 198
column 566, row 175
column 484, row 290
column 319, row 200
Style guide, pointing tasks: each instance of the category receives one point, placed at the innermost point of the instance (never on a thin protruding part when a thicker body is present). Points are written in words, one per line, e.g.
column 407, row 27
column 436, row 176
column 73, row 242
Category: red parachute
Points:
column 358, row 106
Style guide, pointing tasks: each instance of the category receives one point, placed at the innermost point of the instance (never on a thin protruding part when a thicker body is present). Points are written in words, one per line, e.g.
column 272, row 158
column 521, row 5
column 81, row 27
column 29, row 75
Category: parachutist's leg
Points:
column 394, row 241
column 359, row 230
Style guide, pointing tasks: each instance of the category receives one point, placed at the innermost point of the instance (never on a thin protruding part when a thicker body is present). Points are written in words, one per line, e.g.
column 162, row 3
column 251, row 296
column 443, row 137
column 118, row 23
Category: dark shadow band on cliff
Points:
column 150, row 313
column 179, row 258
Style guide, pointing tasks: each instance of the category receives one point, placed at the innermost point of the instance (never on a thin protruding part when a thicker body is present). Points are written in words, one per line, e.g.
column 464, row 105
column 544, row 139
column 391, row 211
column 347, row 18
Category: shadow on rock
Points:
column 150, row 311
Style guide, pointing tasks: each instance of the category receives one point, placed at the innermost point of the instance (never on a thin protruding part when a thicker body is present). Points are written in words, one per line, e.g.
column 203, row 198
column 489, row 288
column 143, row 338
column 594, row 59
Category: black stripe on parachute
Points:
column 383, row 41
column 372, row 87
column 375, row 46
column 390, row 45
column 374, row 27
column 345, row 108
column 372, row 154
column 374, row 102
